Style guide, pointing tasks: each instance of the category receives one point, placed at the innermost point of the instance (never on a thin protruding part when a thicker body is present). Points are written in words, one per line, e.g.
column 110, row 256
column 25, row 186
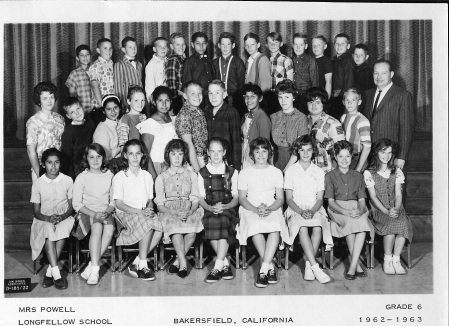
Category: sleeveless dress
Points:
column 385, row 192
column 177, row 190
column 218, row 189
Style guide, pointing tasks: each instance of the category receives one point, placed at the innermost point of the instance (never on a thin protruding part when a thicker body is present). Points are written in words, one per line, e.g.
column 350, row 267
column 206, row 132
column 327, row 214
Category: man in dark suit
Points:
column 389, row 108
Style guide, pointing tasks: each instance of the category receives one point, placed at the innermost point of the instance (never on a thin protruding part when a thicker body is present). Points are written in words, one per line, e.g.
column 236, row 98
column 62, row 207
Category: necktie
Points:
column 375, row 103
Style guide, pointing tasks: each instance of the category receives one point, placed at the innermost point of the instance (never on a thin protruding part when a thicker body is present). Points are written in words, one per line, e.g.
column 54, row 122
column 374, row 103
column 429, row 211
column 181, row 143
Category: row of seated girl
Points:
column 188, row 204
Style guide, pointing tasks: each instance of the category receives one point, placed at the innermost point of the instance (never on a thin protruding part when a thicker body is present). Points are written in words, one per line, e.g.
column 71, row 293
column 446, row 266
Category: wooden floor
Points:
column 419, row 279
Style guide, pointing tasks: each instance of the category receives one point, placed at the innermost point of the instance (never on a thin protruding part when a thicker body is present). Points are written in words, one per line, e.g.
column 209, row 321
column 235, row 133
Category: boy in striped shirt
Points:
column 357, row 128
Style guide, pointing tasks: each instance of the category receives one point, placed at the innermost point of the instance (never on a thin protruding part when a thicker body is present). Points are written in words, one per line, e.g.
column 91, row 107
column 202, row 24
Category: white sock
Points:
column 218, row 264
column 264, row 268
column 225, row 262
column 143, row 263
column 271, row 266
column 387, row 258
column 48, row 273
column 176, row 262
column 396, row 258
column 95, row 269
column 55, row 273
column 308, row 264
column 136, row 260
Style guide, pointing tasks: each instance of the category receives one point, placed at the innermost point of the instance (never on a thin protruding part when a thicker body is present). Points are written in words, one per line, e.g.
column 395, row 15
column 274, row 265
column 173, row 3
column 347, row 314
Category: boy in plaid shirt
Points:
column 173, row 70
column 281, row 69
column 78, row 81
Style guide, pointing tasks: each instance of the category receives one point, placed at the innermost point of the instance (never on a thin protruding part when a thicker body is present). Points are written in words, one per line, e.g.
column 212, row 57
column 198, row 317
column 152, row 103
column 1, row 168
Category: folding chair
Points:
column 36, row 270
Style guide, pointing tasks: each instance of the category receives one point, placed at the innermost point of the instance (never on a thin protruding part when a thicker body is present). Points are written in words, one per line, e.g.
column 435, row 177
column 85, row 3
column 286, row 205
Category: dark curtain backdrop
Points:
column 46, row 52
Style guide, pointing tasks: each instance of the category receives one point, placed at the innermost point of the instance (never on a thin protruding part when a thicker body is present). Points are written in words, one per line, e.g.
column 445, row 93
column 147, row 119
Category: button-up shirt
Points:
column 343, row 76
column 80, row 81
column 287, row 127
column 198, row 68
column 306, row 72
column 191, row 121
column 281, row 69
column 102, row 72
column 231, row 72
column 173, row 71
column 155, row 74
column 344, row 186
column 126, row 73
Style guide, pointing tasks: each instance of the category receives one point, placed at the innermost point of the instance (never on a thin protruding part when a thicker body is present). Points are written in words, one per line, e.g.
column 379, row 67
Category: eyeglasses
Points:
column 251, row 97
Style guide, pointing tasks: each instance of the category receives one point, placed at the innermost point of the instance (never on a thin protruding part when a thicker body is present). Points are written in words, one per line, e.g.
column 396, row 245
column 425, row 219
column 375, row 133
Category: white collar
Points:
column 156, row 58
column 386, row 88
column 47, row 180
column 253, row 57
column 216, row 170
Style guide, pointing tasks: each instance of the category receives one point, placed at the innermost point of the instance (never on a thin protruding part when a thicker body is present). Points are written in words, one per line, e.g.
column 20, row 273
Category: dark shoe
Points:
column 47, row 282
column 349, row 277
column 272, row 278
column 226, row 273
column 61, row 283
column 146, row 274
column 133, row 270
column 182, row 273
column 361, row 274
column 214, row 276
column 262, row 280
column 173, row 269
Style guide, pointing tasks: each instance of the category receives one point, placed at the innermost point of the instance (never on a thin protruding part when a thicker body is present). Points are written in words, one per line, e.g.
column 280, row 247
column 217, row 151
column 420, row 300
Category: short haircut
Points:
column 314, row 92
column 262, row 143
column 69, row 101
column 388, row 62
column 199, row 34
column 363, row 47
column 102, row 40
column 303, row 141
column 287, row 86
column 43, row 87
column 159, row 38
column 219, row 83
column 100, row 150
column 143, row 149
column 50, row 152
column 175, row 35
column 128, row 39
column 252, row 35
column 341, row 145
column 110, row 98
column 373, row 158
column 252, row 88
column 353, row 90
column 227, row 35
column 133, row 89
column 179, row 145
column 219, row 140
column 300, row 35
column 320, row 37
column 189, row 83
column 346, row 36
column 275, row 36
column 82, row 47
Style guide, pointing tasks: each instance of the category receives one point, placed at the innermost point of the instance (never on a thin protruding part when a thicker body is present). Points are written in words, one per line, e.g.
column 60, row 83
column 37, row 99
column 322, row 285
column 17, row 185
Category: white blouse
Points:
column 369, row 181
column 304, row 183
column 135, row 191
column 162, row 133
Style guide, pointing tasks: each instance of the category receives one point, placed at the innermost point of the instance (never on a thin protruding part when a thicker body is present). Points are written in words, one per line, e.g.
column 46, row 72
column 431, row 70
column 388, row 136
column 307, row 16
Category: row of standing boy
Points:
column 193, row 96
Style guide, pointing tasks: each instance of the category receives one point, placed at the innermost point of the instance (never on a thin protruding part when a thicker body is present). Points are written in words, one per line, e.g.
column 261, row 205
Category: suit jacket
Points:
column 394, row 118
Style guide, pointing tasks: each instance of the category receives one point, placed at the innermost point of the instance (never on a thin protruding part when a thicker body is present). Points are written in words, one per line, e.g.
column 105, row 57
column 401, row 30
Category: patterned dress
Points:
column 177, row 191
column 330, row 131
column 218, row 189
column 384, row 186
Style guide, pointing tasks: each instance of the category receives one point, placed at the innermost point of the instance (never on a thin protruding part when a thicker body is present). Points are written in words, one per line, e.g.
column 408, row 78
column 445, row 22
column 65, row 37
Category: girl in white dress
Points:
column 51, row 195
column 261, row 197
column 304, row 191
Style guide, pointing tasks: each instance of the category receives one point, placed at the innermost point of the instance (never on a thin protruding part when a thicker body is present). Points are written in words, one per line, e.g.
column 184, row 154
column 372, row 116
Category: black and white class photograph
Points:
column 199, row 158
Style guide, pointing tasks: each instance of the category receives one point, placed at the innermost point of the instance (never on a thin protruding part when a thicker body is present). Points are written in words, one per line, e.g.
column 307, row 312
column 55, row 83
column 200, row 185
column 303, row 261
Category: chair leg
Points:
column 237, row 258
column 197, row 254
column 113, row 255
column 120, row 258
column 70, row 254
column 155, row 265
column 331, row 259
column 371, row 266
column 409, row 256
column 34, row 266
column 243, row 248
column 77, row 248
column 286, row 258
column 323, row 256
